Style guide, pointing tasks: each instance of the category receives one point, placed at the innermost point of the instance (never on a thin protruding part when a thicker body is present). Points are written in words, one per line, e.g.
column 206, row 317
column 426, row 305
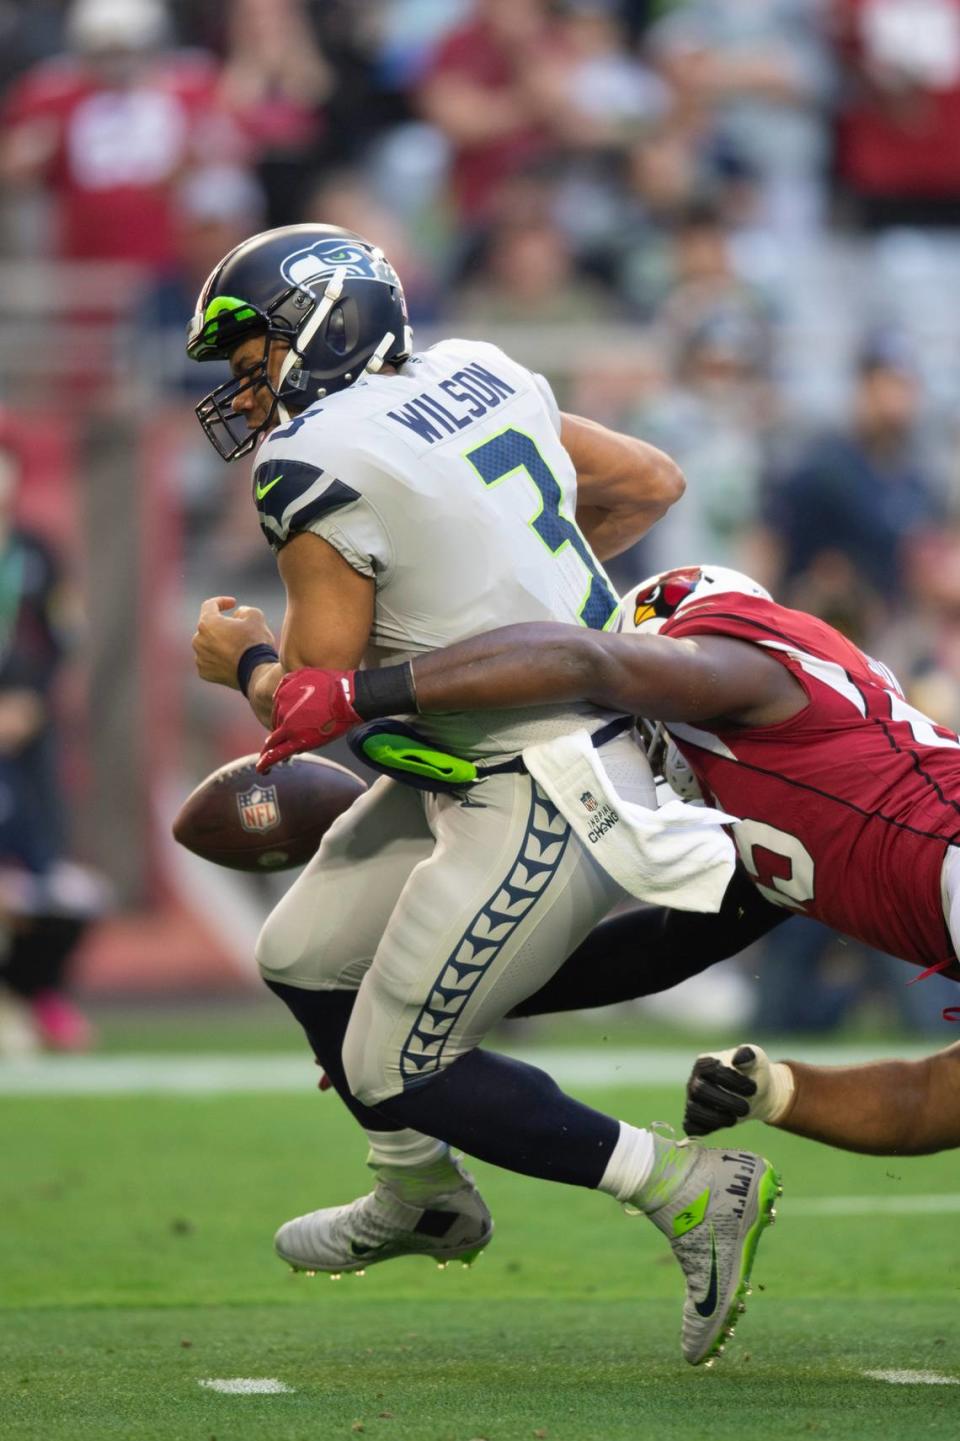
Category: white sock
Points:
column 415, row 1167
column 404, row 1148
column 630, row 1164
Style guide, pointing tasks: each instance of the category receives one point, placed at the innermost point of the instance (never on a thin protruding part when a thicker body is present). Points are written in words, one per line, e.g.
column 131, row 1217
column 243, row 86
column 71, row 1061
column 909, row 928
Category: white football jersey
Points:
column 448, row 485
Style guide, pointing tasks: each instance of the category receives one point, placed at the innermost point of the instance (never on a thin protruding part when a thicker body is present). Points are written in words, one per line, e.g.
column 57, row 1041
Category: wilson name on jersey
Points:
column 847, row 808
column 447, row 484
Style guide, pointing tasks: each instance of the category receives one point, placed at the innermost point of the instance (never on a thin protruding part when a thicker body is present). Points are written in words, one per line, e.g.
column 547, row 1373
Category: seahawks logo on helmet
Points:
column 320, row 260
column 661, row 598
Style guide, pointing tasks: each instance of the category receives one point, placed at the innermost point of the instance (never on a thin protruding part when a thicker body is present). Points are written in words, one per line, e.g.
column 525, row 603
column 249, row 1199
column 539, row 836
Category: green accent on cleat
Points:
column 770, row 1188
column 693, row 1215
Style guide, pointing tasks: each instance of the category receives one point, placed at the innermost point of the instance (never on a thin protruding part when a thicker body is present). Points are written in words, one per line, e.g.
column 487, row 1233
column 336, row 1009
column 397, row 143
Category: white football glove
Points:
column 742, row 1084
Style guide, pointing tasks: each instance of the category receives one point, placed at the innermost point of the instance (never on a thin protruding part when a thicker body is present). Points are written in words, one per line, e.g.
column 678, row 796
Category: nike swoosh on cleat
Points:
column 366, row 1250
column 708, row 1305
column 263, row 489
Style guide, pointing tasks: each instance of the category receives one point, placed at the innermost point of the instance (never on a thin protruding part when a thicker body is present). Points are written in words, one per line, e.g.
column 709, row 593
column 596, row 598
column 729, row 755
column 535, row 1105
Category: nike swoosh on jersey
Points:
column 708, row 1304
column 263, row 489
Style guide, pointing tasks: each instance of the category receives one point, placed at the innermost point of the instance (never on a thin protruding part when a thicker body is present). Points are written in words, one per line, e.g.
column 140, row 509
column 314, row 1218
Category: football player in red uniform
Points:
column 848, row 797
column 885, row 1108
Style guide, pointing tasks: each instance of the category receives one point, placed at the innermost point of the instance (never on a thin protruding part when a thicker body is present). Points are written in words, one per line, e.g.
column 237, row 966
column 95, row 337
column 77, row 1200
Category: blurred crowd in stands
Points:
column 731, row 226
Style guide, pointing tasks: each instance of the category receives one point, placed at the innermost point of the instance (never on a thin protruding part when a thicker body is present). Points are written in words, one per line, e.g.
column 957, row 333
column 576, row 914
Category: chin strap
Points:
column 332, row 293
column 378, row 357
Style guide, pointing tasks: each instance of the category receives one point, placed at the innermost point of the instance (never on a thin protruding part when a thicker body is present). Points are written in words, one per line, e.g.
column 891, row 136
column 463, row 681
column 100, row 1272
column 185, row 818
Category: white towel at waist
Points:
column 676, row 856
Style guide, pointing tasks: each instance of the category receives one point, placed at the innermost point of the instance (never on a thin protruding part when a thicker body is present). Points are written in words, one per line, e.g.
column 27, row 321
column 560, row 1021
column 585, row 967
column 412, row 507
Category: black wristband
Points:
column 253, row 656
column 389, row 691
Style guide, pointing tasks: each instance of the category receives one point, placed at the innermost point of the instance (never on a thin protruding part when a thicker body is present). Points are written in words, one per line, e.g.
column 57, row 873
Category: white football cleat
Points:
column 453, row 1225
column 714, row 1221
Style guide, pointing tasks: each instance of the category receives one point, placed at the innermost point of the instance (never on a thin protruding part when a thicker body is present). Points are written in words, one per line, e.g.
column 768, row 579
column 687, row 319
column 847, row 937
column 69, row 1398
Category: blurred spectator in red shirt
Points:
column 899, row 134
column 477, row 92
column 110, row 127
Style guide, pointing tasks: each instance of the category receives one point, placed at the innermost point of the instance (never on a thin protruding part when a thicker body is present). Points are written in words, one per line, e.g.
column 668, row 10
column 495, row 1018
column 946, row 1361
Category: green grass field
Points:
column 136, row 1263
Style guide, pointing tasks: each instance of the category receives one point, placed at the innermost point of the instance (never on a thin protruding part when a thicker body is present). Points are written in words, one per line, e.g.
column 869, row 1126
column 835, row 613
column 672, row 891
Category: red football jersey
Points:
column 116, row 154
column 847, row 808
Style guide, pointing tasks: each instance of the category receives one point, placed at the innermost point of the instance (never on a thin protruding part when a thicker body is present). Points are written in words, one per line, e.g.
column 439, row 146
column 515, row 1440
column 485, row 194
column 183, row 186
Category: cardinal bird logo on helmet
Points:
column 661, row 597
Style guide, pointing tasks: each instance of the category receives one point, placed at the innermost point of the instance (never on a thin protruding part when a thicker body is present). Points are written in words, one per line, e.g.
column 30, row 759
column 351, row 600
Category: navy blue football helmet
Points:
column 331, row 295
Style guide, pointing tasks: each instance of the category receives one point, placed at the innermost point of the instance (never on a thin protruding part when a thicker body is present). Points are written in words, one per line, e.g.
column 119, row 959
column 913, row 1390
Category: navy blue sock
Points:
column 497, row 1109
column 512, row 1115
column 324, row 1016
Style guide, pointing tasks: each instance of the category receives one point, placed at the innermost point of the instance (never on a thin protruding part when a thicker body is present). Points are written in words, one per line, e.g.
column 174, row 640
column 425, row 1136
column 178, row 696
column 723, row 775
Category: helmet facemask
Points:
column 226, row 427
column 215, row 334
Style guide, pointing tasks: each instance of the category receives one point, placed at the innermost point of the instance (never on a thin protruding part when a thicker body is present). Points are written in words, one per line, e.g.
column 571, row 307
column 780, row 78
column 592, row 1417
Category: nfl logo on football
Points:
column 589, row 801
column 259, row 809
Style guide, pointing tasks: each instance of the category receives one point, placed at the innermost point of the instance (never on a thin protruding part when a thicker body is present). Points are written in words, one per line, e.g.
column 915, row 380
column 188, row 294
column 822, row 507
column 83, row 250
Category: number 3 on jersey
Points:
column 514, row 450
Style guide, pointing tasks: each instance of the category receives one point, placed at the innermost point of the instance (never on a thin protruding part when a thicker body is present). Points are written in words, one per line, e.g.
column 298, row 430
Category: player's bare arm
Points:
column 884, row 1108
column 707, row 678
column 906, row 1108
column 700, row 679
column 329, row 606
column 327, row 623
column 624, row 485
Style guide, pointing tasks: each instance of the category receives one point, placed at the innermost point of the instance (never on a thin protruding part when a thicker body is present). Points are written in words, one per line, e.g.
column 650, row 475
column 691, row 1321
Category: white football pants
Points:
column 443, row 915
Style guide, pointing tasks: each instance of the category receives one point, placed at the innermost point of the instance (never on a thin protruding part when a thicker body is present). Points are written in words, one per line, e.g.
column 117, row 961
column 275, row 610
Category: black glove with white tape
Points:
column 742, row 1084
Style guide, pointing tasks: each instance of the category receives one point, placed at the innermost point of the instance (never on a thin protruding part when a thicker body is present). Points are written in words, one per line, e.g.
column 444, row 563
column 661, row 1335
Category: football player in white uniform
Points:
column 413, row 500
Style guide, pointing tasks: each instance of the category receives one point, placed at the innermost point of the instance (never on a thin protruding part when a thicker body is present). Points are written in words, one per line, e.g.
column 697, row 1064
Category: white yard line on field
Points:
column 247, row 1386
column 871, row 1205
column 206, row 1074
column 913, row 1378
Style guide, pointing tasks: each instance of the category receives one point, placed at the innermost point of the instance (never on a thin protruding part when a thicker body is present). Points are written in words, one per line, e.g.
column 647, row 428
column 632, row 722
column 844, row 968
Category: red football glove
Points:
column 311, row 708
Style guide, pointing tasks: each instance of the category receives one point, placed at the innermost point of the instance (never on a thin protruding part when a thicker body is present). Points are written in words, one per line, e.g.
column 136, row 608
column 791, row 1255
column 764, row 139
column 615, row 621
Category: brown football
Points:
column 250, row 822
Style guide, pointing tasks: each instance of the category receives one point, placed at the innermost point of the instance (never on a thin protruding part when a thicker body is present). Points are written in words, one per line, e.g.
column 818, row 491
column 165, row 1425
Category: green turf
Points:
column 258, row 1022
column 135, row 1260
